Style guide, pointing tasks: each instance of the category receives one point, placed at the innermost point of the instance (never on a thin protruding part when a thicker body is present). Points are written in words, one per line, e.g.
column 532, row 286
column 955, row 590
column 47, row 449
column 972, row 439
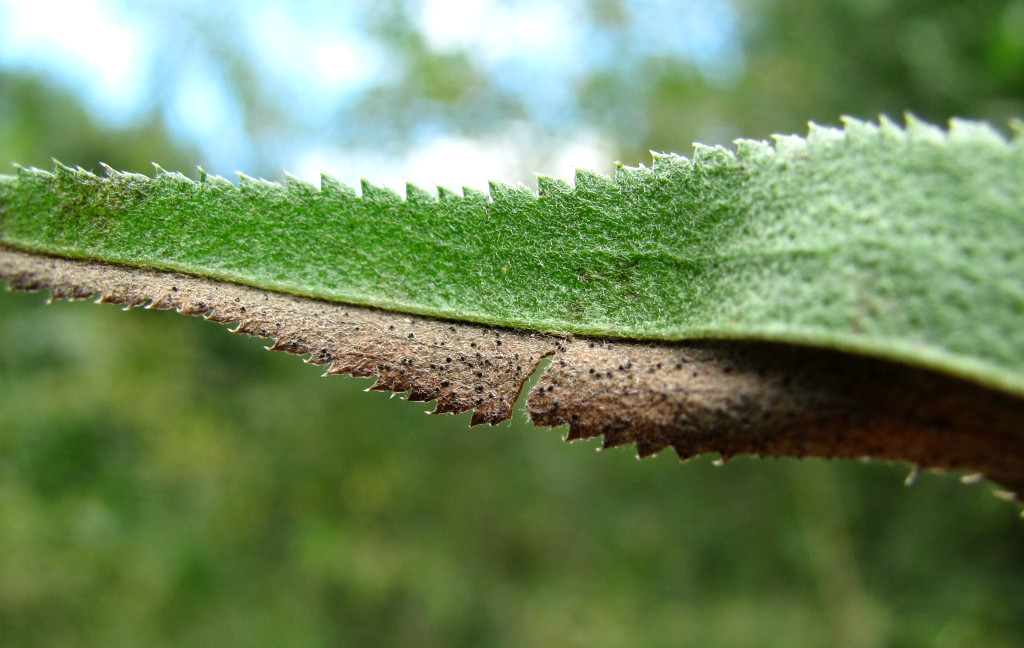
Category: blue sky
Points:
column 318, row 58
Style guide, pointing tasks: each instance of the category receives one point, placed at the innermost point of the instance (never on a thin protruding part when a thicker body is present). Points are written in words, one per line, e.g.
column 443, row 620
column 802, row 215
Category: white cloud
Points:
column 454, row 162
column 82, row 39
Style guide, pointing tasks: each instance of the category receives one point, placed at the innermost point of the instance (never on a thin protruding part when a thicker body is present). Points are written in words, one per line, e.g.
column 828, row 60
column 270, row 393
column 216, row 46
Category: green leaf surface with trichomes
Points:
column 902, row 244
column 908, row 243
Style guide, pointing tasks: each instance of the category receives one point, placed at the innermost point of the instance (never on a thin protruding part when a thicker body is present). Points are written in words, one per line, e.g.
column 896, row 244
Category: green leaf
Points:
column 901, row 244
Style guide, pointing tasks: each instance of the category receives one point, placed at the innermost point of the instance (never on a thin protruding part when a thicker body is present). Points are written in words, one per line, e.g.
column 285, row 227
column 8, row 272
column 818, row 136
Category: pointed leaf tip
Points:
column 375, row 193
column 627, row 176
column 475, row 195
column 964, row 130
column 210, row 181
column 504, row 192
column 890, row 128
column 789, row 144
column 712, row 156
column 416, row 194
column 1017, row 128
column 921, row 131
column 549, row 186
column 24, row 172
column 662, row 162
column 331, row 186
column 445, row 194
column 587, row 181
column 823, row 134
column 296, row 185
column 257, row 186
column 748, row 149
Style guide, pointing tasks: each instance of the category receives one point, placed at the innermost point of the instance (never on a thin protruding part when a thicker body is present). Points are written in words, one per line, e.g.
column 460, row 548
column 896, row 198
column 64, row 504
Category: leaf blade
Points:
column 873, row 239
column 729, row 397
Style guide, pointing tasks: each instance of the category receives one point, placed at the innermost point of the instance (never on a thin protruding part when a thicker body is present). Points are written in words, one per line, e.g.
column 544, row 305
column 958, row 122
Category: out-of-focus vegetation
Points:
column 164, row 483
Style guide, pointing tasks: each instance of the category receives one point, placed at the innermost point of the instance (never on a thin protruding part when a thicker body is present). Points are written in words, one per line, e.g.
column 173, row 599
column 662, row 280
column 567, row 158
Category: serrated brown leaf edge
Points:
column 726, row 396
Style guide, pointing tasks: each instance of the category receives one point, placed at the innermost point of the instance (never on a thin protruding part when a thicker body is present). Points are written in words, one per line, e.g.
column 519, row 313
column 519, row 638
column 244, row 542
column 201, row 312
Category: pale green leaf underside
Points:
column 903, row 243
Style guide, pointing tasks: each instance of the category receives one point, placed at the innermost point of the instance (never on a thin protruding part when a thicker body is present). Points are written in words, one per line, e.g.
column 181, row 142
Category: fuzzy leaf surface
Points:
column 901, row 243
column 857, row 292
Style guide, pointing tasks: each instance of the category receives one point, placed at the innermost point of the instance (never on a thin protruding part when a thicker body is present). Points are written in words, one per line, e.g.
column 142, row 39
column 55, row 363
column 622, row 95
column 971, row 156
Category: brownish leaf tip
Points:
column 729, row 397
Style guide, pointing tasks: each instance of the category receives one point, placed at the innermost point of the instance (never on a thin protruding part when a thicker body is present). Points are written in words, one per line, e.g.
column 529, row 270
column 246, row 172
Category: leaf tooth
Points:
column 62, row 170
column 615, row 437
column 28, row 172
column 246, row 183
column 506, row 193
column 749, row 150
column 383, row 383
column 549, row 186
column 685, row 449
column 163, row 301
column 590, row 182
column 220, row 317
column 712, row 157
column 890, row 129
column 481, row 417
column 298, row 186
column 966, row 130
column 578, row 431
column 338, row 367
column 193, row 307
column 416, row 194
column 69, row 291
column 125, row 177
column 789, row 145
column 445, row 194
column 207, row 181
column 1017, row 133
column 859, row 130
column 666, row 162
column 173, row 178
column 447, row 404
column 628, row 177
column 471, row 194
column 281, row 343
column 824, row 135
column 919, row 130
column 419, row 394
column 257, row 186
column 646, row 447
column 378, row 194
column 1017, row 130
column 331, row 186
column 77, row 175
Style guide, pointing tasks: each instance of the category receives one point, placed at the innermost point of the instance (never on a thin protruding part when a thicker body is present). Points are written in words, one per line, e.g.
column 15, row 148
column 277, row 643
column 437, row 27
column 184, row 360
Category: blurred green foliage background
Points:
column 165, row 483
